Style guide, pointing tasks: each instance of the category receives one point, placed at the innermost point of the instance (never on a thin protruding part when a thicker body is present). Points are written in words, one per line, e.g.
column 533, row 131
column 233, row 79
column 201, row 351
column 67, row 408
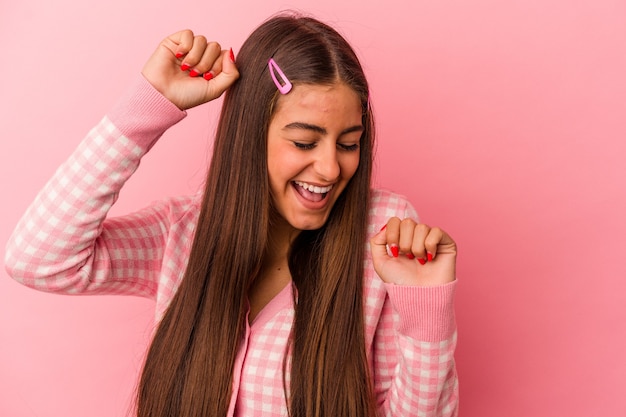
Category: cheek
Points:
column 281, row 166
column 349, row 165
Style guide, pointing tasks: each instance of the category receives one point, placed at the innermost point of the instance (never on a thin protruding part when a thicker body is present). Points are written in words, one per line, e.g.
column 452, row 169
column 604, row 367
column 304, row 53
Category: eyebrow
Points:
column 319, row 129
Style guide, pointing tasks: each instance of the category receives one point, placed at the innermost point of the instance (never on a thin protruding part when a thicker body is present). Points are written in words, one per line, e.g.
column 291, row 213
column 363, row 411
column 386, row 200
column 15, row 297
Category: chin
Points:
column 309, row 224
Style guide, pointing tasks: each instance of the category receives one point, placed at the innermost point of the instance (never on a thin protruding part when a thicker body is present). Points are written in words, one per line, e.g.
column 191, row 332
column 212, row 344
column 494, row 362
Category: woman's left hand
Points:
column 405, row 252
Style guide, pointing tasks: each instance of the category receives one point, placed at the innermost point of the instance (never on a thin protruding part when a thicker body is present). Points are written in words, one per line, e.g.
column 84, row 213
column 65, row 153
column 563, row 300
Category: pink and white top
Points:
column 65, row 244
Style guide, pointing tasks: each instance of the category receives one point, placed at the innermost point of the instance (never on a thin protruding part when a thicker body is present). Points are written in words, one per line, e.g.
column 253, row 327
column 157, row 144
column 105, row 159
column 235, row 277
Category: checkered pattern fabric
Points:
column 65, row 244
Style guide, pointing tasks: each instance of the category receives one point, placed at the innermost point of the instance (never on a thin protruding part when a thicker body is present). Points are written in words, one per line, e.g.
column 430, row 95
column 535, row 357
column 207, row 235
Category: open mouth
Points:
column 311, row 192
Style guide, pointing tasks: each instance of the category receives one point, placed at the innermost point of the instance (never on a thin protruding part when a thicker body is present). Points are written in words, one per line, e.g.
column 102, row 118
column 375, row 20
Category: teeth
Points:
column 313, row 188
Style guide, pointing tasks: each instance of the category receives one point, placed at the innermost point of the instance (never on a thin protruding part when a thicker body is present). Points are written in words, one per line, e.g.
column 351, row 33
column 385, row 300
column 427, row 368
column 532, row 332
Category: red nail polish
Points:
column 410, row 256
column 193, row 73
column 395, row 251
column 430, row 256
column 179, row 55
column 185, row 67
column 208, row 76
column 383, row 228
column 421, row 261
column 232, row 55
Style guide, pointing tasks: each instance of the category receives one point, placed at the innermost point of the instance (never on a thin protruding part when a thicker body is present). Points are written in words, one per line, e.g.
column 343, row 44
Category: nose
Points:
column 326, row 163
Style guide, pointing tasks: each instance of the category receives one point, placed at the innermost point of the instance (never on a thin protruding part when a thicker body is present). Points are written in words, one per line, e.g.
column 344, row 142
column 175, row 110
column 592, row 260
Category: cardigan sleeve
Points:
column 419, row 327
column 414, row 340
column 65, row 244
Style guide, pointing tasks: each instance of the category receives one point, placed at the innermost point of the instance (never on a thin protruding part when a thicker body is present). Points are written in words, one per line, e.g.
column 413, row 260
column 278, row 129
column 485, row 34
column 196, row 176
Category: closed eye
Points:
column 349, row 148
column 304, row 146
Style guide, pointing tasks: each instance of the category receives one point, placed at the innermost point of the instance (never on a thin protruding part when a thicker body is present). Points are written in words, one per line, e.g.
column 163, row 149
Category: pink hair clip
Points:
column 285, row 87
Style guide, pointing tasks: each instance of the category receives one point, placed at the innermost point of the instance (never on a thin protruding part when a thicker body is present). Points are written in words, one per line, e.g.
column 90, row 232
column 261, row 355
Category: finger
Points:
column 392, row 235
column 378, row 245
column 226, row 76
column 211, row 54
column 436, row 240
column 418, row 248
column 217, row 65
column 405, row 239
column 195, row 53
column 181, row 42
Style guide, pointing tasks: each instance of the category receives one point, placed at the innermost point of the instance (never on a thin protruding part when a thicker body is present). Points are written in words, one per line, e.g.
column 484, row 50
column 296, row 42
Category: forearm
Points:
column 57, row 245
column 416, row 345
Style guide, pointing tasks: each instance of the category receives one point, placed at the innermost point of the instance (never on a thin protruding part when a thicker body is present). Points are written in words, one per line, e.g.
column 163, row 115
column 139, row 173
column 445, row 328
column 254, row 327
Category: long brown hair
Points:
column 189, row 366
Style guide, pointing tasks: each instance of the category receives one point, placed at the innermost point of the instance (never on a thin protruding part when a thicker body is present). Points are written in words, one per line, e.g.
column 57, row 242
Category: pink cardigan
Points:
column 65, row 244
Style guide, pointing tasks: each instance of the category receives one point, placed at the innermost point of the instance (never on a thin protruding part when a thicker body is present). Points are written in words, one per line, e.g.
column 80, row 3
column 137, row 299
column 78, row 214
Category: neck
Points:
column 274, row 274
column 281, row 236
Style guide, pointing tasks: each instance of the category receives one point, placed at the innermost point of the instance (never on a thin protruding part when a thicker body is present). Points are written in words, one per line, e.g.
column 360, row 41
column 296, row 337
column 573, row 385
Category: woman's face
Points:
column 313, row 151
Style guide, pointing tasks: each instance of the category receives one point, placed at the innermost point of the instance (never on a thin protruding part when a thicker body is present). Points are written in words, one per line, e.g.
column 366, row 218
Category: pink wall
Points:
column 503, row 121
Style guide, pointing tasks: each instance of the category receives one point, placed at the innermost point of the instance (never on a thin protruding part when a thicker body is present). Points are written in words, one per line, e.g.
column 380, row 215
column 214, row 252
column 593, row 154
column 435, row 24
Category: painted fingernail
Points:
column 395, row 251
column 383, row 228
column 194, row 73
column 185, row 67
column 430, row 256
column 421, row 261
column 232, row 55
column 208, row 76
column 410, row 256
column 179, row 55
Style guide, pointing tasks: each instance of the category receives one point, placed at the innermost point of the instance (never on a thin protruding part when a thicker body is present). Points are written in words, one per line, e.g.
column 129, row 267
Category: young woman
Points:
column 288, row 287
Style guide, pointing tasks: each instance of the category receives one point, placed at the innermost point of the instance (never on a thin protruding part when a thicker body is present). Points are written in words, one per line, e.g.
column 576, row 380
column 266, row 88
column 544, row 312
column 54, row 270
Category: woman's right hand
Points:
column 177, row 66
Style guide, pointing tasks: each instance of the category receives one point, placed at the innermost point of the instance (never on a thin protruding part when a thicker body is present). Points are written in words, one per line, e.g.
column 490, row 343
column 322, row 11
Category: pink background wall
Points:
column 503, row 121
